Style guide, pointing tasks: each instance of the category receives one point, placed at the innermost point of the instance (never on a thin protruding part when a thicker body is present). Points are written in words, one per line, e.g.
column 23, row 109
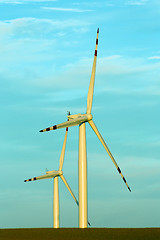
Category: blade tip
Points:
column 49, row 129
column 98, row 30
column 25, row 180
column 129, row 189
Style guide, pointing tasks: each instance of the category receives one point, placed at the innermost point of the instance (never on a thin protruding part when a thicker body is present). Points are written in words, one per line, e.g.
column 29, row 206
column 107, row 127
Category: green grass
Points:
column 77, row 234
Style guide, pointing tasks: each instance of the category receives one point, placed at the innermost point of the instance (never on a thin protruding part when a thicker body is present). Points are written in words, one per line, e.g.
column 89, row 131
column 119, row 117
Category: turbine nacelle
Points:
column 79, row 118
column 54, row 173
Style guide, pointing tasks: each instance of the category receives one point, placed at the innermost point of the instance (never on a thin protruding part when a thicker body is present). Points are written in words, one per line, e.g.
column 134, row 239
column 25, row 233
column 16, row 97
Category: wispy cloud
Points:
column 28, row 40
column 21, row 27
column 23, row 1
column 66, row 9
column 94, row 4
column 23, row 42
column 40, row 0
column 138, row 3
column 10, row 2
column 117, row 64
column 154, row 57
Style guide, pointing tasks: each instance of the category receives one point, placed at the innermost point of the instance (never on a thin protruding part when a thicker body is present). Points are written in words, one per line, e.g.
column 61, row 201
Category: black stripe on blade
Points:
column 34, row 178
column 29, row 179
column 97, row 41
column 54, row 127
column 95, row 53
column 124, row 179
column 119, row 170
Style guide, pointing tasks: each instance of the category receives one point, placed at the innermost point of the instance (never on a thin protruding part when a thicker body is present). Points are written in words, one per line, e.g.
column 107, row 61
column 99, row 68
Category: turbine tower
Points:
column 55, row 174
column 81, row 119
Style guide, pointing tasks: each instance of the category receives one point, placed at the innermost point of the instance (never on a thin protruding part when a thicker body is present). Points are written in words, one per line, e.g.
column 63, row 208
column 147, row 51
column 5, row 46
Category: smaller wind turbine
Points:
column 55, row 174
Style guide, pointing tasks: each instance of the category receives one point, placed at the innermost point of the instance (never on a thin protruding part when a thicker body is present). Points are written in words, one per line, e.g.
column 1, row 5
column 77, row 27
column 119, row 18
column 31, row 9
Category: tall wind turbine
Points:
column 81, row 119
column 55, row 174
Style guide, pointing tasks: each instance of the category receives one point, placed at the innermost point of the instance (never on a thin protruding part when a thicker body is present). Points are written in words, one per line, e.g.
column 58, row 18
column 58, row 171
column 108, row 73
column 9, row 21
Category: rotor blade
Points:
column 93, row 126
column 92, row 80
column 30, row 179
column 69, row 189
column 70, row 123
column 63, row 151
column 61, row 125
column 46, row 176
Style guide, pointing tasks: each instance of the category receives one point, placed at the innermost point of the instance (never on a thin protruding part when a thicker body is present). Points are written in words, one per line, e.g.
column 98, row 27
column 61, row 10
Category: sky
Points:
column 46, row 55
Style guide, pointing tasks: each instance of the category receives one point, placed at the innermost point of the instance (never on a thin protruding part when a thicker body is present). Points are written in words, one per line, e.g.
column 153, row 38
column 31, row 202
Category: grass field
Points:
column 77, row 234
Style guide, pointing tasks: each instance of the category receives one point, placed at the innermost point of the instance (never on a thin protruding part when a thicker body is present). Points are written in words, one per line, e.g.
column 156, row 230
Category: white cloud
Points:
column 94, row 4
column 66, row 9
column 29, row 42
column 39, row 0
column 10, row 2
column 23, row 1
column 137, row 3
column 154, row 57
column 117, row 64
column 120, row 72
column 25, row 46
column 34, row 26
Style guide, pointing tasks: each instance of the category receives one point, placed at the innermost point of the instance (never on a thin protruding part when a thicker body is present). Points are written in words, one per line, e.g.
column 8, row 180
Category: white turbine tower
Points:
column 81, row 119
column 55, row 174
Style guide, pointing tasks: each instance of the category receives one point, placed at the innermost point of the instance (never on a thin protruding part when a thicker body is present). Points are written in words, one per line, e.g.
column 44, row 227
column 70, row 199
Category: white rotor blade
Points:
column 46, row 176
column 92, row 80
column 69, row 189
column 93, row 126
column 70, row 123
column 63, row 151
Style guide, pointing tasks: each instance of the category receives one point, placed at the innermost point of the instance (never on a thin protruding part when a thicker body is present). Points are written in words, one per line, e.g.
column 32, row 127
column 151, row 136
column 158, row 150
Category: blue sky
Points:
column 46, row 54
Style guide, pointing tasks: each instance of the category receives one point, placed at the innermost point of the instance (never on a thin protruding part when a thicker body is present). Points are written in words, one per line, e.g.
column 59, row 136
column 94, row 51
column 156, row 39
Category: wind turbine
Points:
column 55, row 174
column 81, row 119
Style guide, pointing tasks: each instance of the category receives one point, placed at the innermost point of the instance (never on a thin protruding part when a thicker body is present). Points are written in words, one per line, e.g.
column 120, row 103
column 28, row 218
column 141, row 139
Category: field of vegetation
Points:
column 79, row 234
